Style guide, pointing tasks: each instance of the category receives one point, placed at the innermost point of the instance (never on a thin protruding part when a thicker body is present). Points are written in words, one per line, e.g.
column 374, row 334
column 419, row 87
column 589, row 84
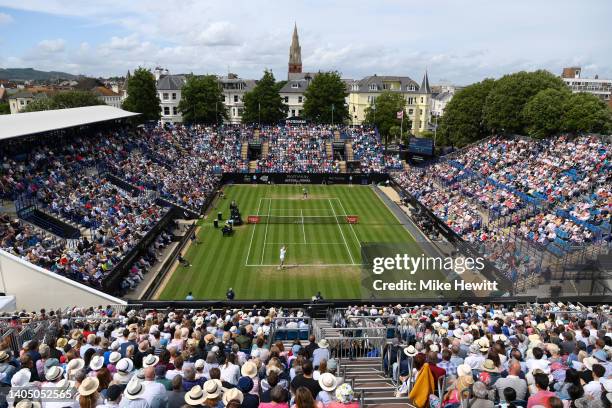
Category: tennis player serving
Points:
column 283, row 253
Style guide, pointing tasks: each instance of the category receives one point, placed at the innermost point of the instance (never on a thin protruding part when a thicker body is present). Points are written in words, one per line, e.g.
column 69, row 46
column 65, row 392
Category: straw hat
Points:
column 150, row 360
column 232, row 394
column 464, row 369
column 4, row 356
column 75, row 364
column 89, row 386
column 96, row 363
column 21, row 377
column 410, row 351
column 323, row 343
column 213, row 389
column 249, row 369
column 195, row 396
column 328, row 382
column 134, row 389
column 488, row 365
column 589, row 361
column 54, row 373
column 114, row 357
column 27, row 404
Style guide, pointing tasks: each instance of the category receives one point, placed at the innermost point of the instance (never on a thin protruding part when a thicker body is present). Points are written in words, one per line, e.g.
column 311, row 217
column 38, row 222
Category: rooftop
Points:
column 31, row 123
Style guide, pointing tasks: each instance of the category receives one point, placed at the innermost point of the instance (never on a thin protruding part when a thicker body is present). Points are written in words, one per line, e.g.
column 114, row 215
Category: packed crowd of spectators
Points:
column 553, row 192
column 485, row 355
column 297, row 149
column 540, row 355
column 170, row 359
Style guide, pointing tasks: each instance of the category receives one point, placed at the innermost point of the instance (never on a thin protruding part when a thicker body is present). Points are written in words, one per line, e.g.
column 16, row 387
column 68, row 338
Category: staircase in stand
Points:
column 244, row 151
column 348, row 151
column 265, row 148
column 50, row 223
column 329, row 151
column 336, row 136
column 406, row 166
column 365, row 374
column 342, row 167
column 252, row 166
column 256, row 134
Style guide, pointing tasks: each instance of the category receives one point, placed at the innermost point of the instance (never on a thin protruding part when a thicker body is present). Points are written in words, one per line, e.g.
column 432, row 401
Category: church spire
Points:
column 295, row 54
column 425, row 88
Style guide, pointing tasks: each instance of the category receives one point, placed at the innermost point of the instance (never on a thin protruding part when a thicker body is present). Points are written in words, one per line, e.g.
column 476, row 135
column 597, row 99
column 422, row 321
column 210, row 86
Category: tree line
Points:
column 537, row 104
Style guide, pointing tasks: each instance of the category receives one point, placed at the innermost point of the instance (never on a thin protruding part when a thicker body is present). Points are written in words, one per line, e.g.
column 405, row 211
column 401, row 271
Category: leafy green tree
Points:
column 264, row 102
column 586, row 113
column 75, row 99
column 462, row 122
column 64, row 100
column 543, row 112
column 503, row 111
column 142, row 95
column 383, row 113
column 325, row 99
column 5, row 108
column 202, row 100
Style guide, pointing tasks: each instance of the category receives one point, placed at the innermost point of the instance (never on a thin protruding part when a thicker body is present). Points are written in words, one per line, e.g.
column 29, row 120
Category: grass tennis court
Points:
column 323, row 250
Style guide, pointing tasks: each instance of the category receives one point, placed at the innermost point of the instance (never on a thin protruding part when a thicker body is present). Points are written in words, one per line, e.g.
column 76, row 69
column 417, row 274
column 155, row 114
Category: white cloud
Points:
column 123, row 43
column 5, row 18
column 219, row 33
column 460, row 41
column 51, row 46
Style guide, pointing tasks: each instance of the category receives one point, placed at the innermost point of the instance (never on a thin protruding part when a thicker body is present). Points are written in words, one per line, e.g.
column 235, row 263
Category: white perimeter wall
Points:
column 35, row 288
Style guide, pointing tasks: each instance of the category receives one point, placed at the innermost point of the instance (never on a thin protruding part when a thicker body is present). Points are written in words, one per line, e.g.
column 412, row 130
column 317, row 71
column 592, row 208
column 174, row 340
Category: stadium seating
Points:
column 359, row 356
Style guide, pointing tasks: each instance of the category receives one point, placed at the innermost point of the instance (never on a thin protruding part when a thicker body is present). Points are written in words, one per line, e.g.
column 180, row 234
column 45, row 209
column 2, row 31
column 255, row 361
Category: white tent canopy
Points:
column 30, row 123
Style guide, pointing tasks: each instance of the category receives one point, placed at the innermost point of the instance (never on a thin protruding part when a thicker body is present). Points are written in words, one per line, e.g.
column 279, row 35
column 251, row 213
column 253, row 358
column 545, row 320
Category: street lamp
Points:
column 259, row 112
column 332, row 107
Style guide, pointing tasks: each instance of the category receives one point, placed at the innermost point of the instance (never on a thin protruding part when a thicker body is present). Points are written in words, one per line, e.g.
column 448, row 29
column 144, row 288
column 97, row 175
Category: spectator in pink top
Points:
column 278, row 398
column 541, row 397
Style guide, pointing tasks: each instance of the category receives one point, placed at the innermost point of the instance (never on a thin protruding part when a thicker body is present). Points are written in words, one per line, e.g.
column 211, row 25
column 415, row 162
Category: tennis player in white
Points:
column 283, row 252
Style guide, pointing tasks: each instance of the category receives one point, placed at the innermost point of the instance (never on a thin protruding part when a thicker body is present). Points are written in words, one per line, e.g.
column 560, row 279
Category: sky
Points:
column 457, row 41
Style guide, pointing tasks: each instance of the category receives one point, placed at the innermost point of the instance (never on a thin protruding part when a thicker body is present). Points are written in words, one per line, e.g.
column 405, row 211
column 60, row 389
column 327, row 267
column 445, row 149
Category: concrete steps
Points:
column 265, row 148
column 336, row 135
column 348, row 151
column 329, row 151
column 252, row 166
column 244, row 151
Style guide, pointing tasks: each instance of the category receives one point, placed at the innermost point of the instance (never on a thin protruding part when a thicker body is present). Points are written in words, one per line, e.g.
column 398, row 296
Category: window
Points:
column 410, row 111
column 234, row 111
column 299, row 99
column 421, row 99
column 22, row 102
column 373, row 87
column 235, row 98
column 292, row 112
column 175, row 110
column 286, row 99
column 353, row 108
column 165, row 97
column 166, row 110
column 295, row 85
column 174, row 96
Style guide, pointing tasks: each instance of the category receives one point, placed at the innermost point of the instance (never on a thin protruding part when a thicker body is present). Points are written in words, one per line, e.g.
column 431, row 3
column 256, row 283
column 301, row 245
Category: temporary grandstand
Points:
column 122, row 210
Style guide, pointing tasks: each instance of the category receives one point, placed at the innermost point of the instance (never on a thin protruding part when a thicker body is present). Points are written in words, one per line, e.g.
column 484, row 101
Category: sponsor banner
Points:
column 304, row 178
column 253, row 219
column 352, row 219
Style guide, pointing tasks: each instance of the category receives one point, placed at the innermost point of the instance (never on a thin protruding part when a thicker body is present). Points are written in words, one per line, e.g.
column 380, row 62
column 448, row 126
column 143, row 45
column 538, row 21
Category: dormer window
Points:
column 295, row 85
column 373, row 87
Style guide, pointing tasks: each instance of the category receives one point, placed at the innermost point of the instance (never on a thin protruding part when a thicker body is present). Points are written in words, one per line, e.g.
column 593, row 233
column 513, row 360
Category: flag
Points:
column 400, row 114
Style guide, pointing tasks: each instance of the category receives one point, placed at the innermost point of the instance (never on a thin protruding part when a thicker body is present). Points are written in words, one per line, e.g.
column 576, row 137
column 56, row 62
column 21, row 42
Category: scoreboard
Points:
column 421, row 145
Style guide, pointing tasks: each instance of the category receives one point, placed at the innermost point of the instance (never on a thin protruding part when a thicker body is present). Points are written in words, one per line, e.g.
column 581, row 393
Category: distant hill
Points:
column 23, row 74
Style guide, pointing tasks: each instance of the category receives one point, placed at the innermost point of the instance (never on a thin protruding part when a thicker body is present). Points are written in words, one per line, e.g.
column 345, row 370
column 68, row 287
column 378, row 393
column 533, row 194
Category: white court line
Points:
column 303, row 229
column 342, row 233
column 302, row 265
column 252, row 234
column 304, row 243
column 353, row 229
column 263, row 250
